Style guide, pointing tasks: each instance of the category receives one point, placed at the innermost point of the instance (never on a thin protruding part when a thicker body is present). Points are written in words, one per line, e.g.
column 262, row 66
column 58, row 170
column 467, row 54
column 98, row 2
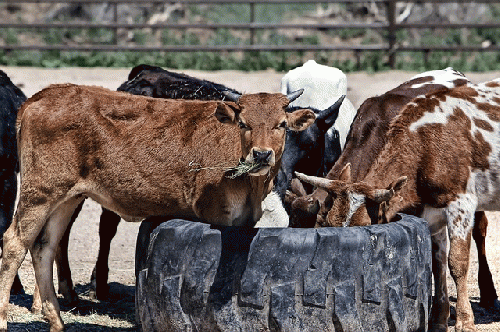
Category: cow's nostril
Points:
column 262, row 157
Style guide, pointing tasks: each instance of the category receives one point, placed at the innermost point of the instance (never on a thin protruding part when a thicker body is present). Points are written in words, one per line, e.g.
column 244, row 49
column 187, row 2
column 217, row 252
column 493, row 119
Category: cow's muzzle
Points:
column 264, row 159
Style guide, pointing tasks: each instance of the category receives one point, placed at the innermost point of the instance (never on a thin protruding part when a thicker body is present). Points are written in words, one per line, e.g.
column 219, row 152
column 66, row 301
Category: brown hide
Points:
column 141, row 156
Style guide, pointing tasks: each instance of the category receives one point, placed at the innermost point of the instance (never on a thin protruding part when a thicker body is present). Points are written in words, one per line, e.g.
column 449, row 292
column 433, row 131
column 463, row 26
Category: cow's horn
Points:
column 325, row 114
column 314, row 180
column 294, row 95
column 231, row 96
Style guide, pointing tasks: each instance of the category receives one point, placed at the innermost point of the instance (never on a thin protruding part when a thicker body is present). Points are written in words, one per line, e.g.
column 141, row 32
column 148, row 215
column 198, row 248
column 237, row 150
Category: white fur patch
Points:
column 441, row 113
column 460, row 216
column 355, row 202
column 435, row 116
column 445, row 77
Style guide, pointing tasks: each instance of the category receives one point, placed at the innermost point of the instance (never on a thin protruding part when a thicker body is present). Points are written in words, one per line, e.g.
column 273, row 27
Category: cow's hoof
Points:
column 191, row 276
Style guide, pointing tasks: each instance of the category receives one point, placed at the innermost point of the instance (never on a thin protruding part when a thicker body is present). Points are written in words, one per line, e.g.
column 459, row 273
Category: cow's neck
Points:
column 260, row 188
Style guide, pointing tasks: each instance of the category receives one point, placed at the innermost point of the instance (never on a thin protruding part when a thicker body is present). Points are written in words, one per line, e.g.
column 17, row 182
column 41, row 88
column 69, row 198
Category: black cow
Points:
column 11, row 98
column 157, row 82
column 312, row 150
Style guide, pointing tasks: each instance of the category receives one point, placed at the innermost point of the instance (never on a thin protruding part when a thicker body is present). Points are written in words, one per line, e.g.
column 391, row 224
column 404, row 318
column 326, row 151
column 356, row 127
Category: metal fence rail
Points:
column 391, row 45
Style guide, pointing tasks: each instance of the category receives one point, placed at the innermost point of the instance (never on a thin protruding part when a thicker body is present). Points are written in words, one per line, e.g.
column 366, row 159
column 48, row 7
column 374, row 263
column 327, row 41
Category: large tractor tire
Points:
column 196, row 277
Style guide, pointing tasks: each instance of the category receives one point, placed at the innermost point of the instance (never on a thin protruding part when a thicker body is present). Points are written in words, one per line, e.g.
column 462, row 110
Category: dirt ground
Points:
column 118, row 313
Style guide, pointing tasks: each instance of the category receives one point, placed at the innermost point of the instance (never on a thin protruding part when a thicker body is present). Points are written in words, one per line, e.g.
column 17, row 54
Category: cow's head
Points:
column 351, row 204
column 311, row 151
column 263, row 120
column 302, row 208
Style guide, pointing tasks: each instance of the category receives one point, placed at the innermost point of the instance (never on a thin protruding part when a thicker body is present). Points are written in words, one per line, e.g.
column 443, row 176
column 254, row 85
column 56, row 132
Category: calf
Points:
column 11, row 98
column 315, row 150
column 148, row 81
column 440, row 162
column 139, row 157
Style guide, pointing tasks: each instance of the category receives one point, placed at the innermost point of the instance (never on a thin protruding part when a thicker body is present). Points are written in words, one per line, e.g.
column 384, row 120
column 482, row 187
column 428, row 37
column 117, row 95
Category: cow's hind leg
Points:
column 43, row 253
column 27, row 224
column 460, row 215
column 485, row 280
column 66, row 288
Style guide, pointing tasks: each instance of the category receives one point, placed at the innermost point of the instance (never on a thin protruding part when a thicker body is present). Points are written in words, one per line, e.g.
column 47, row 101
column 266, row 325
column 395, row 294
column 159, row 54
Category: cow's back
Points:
column 447, row 144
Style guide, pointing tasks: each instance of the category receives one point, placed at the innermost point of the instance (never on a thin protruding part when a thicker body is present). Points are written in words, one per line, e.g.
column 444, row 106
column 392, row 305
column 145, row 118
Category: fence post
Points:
column 115, row 21
column 252, row 20
column 391, row 33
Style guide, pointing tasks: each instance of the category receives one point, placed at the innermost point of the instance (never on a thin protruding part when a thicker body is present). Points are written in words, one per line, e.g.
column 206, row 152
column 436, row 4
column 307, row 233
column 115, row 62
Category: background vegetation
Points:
column 233, row 13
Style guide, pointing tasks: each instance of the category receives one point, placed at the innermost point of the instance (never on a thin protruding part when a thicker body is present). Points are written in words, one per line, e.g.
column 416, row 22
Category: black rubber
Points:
column 194, row 277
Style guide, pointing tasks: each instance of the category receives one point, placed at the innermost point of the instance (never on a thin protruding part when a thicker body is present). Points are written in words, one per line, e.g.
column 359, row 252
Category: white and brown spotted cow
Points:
column 139, row 157
column 441, row 161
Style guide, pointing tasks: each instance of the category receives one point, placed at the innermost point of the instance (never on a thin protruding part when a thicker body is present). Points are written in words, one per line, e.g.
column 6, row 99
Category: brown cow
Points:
column 364, row 143
column 441, row 162
column 139, row 157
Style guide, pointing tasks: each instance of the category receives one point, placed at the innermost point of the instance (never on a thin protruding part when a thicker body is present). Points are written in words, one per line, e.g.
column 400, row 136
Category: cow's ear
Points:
column 226, row 112
column 300, row 119
column 398, row 184
column 381, row 195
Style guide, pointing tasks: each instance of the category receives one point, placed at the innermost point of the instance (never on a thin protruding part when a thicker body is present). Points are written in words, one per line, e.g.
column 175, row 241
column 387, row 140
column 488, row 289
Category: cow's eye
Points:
column 282, row 124
column 243, row 126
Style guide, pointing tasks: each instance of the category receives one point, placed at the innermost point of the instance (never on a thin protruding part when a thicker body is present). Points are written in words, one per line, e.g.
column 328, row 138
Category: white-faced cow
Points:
column 315, row 150
column 11, row 98
column 440, row 162
column 139, row 157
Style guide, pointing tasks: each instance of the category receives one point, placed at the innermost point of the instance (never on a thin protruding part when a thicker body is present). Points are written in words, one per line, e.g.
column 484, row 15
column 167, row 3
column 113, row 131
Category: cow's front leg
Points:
column 108, row 225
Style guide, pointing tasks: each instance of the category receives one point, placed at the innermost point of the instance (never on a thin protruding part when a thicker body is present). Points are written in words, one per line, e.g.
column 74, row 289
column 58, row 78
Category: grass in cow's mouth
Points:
column 242, row 168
